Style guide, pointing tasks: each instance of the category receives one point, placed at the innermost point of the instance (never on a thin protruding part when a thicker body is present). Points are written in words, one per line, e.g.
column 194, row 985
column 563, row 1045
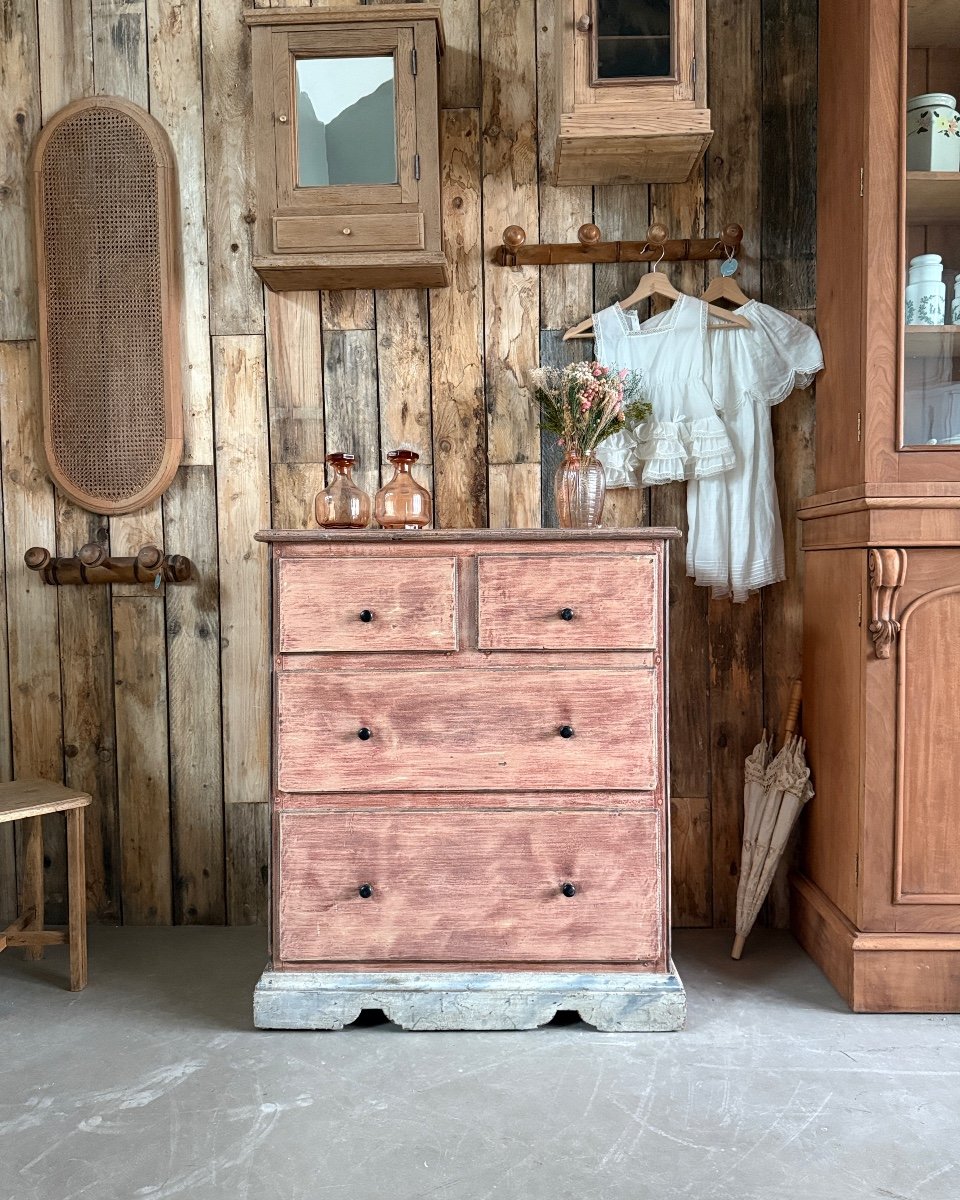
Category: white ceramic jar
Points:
column 933, row 133
column 955, row 307
column 926, row 293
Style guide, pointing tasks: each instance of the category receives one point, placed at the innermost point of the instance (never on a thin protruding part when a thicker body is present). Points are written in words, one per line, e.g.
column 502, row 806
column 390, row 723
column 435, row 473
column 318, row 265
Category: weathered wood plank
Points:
column 89, row 727
column 461, row 64
column 350, row 401
column 193, row 669
column 514, row 495
column 248, row 858
column 735, row 646
column 19, row 123
column 619, row 212
column 120, row 49
column 690, row 854
column 66, row 53
column 32, row 625
column 403, row 372
column 566, row 293
column 176, row 100
column 456, row 334
column 347, row 310
column 294, row 491
column 295, row 376
column 788, row 281
column 511, row 295
column 236, row 295
column 140, row 690
column 243, row 507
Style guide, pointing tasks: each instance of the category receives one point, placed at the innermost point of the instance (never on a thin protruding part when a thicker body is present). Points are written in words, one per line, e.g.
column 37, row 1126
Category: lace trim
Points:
column 798, row 377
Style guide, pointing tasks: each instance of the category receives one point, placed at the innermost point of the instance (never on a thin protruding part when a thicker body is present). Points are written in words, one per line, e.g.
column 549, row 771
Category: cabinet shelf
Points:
column 933, row 197
column 932, row 341
column 933, row 23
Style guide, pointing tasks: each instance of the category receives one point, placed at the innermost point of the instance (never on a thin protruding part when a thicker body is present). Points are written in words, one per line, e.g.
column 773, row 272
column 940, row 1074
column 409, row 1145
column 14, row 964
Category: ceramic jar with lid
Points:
column 926, row 293
column 933, row 133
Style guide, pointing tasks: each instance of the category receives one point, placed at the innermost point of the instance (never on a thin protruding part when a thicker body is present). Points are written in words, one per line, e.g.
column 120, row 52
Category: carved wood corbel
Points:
column 888, row 571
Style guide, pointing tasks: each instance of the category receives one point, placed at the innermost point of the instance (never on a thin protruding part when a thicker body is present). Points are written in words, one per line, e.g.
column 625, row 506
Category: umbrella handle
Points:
column 738, row 943
column 791, row 720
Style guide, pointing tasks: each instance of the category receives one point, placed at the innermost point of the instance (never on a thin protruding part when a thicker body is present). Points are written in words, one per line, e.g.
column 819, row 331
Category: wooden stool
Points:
column 29, row 800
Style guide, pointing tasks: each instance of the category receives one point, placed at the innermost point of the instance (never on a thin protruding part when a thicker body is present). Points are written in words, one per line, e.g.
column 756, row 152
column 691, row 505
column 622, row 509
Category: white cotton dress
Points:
column 684, row 438
column 735, row 539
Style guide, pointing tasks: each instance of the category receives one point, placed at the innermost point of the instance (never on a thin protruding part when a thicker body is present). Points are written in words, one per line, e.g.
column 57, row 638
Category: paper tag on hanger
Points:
column 158, row 579
column 729, row 267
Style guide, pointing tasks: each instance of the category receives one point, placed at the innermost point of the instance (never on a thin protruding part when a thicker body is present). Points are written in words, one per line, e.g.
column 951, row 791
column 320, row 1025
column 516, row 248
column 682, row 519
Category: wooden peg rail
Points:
column 93, row 565
column 590, row 248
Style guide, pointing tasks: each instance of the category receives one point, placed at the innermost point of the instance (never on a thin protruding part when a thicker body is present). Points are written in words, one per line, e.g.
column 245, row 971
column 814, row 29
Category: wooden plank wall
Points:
column 158, row 704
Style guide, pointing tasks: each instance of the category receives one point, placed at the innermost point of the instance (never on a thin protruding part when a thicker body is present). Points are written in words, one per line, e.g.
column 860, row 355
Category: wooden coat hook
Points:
column 92, row 564
column 590, row 248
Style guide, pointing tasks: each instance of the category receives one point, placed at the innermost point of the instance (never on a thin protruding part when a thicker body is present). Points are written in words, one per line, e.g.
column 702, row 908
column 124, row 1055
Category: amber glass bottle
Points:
column 402, row 503
column 341, row 504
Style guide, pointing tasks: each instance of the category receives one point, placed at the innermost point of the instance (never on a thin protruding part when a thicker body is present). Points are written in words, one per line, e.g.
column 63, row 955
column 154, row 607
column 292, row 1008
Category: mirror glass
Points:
column 346, row 121
column 634, row 39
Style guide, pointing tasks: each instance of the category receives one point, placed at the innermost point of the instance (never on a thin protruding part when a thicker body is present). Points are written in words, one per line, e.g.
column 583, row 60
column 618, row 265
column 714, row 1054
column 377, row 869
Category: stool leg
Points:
column 77, row 886
column 31, row 885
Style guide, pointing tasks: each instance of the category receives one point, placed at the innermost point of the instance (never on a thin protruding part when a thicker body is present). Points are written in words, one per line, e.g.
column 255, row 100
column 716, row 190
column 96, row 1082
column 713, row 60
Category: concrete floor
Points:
column 152, row 1083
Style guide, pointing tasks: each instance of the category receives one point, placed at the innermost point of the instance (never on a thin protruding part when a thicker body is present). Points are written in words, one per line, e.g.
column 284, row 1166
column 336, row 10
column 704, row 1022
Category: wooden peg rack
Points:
column 92, row 564
column 590, row 248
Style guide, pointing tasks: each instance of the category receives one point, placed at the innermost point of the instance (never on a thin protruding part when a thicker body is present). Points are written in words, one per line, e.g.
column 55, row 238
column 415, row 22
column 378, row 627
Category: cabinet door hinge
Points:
column 413, row 66
column 860, row 610
column 859, row 426
column 858, row 867
column 693, row 70
column 861, row 183
column 416, row 166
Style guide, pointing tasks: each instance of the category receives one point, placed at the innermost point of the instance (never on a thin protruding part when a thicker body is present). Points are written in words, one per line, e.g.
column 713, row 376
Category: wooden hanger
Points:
column 725, row 287
column 656, row 283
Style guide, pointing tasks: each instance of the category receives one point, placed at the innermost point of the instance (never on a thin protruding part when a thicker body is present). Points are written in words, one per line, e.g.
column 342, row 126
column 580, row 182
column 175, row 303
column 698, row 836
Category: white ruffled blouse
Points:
column 684, row 438
column 735, row 539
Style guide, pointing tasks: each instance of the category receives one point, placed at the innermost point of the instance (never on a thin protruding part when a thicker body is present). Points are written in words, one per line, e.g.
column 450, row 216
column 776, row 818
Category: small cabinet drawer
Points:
column 454, row 730
column 559, row 602
column 384, row 231
column 366, row 604
column 470, row 887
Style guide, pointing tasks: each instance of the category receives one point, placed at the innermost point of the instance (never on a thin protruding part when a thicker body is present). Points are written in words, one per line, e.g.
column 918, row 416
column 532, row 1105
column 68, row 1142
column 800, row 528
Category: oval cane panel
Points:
column 106, row 219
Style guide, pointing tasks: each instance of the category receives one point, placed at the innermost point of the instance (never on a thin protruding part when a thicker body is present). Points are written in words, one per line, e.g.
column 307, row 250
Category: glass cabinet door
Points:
column 931, row 287
column 634, row 40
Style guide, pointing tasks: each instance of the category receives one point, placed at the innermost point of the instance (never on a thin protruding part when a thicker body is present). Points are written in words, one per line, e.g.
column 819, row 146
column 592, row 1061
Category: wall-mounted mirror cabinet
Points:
column 348, row 173
column 633, row 91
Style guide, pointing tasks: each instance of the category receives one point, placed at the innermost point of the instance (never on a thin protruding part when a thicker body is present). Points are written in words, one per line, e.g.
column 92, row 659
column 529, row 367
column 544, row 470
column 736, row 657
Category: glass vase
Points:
column 402, row 503
column 341, row 504
column 580, row 488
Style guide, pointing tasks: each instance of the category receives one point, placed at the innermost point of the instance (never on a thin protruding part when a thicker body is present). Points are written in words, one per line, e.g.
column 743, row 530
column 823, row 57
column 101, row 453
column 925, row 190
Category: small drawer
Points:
column 366, row 604
column 470, row 887
column 454, row 730
column 382, row 231
column 558, row 602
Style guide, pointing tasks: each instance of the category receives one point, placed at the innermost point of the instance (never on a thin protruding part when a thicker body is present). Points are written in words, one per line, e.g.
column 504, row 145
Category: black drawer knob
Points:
column 365, row 891
column 566, row 614
column 364, row 734
column 569, row 889
column 566, row 731
column 366, row 615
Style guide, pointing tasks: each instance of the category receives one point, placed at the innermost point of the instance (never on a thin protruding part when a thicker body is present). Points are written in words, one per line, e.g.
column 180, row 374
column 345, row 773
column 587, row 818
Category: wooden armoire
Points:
column 877, row 901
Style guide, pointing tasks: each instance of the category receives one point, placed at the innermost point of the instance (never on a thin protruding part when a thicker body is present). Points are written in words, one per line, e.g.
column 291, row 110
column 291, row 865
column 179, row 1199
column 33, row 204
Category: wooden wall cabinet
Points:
column 470, row 809
column 877, row 903
column 347, row 147
column 633, row 91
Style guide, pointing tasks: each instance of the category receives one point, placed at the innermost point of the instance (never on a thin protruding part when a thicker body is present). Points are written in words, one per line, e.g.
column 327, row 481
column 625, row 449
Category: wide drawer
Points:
column 366, row 604
column 387, row 231
column 555, row 602
column 455, row 730
column 470, row 887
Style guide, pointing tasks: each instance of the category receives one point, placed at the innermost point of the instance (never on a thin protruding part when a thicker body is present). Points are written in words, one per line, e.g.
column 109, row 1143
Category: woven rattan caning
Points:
column 106, row 213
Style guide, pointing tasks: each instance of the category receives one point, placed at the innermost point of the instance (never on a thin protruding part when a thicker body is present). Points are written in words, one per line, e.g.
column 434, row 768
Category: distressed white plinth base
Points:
column 469, row 1000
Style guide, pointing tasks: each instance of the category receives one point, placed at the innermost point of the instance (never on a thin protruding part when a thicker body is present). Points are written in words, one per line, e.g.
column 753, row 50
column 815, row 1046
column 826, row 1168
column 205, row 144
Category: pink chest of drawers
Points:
column 470, row 780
